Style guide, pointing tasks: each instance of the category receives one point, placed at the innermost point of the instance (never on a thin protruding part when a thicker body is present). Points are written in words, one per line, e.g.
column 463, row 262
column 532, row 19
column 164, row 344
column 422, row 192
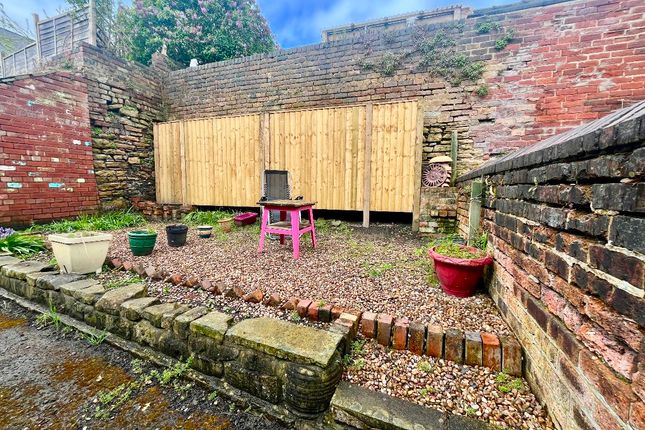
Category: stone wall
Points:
column 566, row 226
column 46, row 169
column 125, row 100
column 291, row 370
column 438, row 210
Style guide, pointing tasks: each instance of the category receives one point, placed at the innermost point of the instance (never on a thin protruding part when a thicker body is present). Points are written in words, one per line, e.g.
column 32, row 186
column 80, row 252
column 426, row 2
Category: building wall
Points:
column 567, row 63
column 46, row 167
column 567, row 232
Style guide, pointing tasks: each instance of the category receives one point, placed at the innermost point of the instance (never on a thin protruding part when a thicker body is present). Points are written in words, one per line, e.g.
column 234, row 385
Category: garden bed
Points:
column 383, row 269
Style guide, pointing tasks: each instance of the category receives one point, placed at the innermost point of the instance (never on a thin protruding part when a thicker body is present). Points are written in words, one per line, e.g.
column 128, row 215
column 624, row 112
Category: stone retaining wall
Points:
column 294, row 367
column 566, row 224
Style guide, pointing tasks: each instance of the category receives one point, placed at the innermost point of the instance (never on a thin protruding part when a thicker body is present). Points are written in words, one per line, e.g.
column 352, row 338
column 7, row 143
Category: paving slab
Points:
column 132, row 309
column 71, row 287
column 361, row 408
column 286, row 340
column 213, row 325
column 163, row 314
column 113, row 299
column 22, row 269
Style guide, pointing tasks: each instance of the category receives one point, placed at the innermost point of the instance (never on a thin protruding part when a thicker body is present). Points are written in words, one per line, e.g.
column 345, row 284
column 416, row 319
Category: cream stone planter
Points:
column 82, row 252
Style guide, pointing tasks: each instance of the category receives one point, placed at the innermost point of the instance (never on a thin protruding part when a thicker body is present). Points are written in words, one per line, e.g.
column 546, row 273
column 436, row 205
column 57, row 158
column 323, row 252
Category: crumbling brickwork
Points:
column 566, row 226
column 46, row 168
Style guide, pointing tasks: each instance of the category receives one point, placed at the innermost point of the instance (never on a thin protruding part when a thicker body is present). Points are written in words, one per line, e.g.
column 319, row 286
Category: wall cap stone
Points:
column 286, row 340
column 620, row 128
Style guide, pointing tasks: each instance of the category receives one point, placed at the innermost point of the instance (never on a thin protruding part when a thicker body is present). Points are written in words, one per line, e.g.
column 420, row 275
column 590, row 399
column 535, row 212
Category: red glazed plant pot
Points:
column 459, row 276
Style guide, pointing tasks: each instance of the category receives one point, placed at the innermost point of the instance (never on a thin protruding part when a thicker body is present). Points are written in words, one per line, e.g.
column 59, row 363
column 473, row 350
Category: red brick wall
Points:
column 568, row 238
column 46, row 165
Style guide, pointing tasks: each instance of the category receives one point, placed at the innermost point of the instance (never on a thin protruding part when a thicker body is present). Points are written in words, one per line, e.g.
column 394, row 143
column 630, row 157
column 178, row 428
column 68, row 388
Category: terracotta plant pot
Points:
column 204, row 231
column 459, row 276
column 226, row 224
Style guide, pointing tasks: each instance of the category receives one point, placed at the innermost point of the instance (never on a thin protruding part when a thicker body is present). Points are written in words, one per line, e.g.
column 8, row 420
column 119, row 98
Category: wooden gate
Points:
column 364, row 157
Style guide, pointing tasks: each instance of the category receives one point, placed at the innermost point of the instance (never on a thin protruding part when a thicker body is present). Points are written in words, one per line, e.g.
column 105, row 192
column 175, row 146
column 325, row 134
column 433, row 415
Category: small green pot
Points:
column 142, row 242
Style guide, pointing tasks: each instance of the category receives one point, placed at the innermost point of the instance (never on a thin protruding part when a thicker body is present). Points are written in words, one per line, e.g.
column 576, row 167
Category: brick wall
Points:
column 46, row 168
column 125, row 100
column 566, row 226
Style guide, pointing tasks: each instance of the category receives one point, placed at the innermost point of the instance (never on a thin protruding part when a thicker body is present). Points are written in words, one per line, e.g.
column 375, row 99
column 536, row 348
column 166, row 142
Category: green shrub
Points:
column 98, row 222
column 21, row 244
column 205, row 217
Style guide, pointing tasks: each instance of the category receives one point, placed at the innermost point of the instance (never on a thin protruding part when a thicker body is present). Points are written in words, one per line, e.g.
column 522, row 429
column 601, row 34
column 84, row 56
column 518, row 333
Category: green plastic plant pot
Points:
column 142, row 242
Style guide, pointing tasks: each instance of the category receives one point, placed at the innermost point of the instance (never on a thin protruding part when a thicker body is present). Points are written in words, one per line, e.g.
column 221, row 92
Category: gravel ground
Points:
column 381, row 269
column 472, row 391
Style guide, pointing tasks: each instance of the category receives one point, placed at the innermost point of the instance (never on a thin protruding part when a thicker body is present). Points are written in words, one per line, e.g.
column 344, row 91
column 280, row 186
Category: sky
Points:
column 293, row 22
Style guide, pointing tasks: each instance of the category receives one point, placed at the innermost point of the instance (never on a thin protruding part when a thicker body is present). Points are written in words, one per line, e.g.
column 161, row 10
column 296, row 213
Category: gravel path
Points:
column 472, row 391
column 382, row 269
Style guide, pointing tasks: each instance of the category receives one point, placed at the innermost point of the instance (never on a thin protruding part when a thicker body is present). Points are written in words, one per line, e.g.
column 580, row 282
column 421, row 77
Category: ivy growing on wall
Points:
column 439, row 54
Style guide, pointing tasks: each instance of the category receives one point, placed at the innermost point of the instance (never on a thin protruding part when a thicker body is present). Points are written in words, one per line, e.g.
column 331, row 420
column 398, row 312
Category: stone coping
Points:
column 360, row 408
column 470, row 348
column 622, row 127
column 279, row 338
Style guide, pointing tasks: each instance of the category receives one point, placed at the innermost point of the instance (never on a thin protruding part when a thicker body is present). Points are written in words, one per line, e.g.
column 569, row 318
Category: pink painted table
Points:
column 293, row 228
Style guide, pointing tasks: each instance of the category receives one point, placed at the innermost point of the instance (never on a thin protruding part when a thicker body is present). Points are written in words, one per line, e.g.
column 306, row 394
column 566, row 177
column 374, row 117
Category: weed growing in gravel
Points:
column 424, row 392
column 212, row 396
column 95, row 339
column 424, row 366
column 506, row 385
column 50, row 317
column 360, row 249
column 470, row 411
column 321, row 303
column 353, row 360
column 379, row 270
column 134, row 279
column 295, row 316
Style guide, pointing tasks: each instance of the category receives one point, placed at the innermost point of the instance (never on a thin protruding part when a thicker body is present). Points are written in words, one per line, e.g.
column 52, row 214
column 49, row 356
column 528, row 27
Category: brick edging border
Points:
column 503, row 353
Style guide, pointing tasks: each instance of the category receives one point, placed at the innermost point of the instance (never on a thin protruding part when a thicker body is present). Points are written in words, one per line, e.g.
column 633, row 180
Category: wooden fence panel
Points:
column 393, row 153
column 218, row 161
column 323, row 150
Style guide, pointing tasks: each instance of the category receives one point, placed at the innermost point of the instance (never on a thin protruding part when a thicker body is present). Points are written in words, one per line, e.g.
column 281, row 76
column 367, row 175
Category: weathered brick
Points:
column 628, row 232
column 615, row 391
column 400, row 338
column 303, row 308
column 473, row 348
column 434, row 341
column 592, row 224
column 556, row 264
column 384, row 331
column 511, row 356
column 619, row 197
column 368, row 325
column 618, row 264
column 324, row 313
column 492, row 353
column 416, row 338
column 313, row 311
column 454, row 345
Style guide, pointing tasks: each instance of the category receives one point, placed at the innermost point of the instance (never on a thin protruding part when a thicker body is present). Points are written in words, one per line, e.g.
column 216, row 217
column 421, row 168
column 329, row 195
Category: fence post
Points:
column 91, row 23
column 474, row 211
column 367, row 173
column 454, row 147
column 418, row 167
column 265, row 134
